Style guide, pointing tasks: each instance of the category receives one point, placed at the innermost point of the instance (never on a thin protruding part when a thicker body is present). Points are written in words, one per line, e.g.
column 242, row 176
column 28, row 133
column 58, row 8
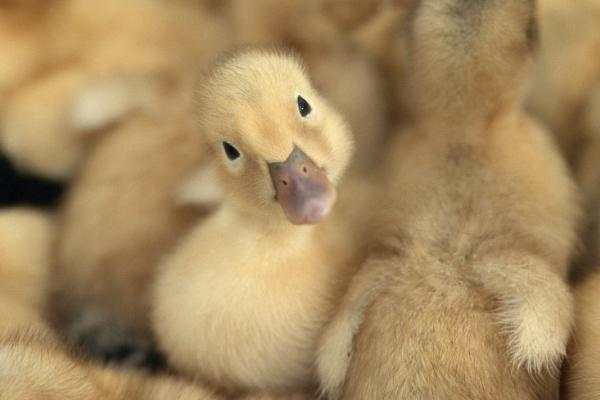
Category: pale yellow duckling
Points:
column 243, row 299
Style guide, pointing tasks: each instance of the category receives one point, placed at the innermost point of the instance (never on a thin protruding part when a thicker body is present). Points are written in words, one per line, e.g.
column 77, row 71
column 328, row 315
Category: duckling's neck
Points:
column 267, row 223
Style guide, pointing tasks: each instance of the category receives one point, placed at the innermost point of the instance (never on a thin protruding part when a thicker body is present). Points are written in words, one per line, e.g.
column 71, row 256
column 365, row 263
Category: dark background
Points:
column 18, row 188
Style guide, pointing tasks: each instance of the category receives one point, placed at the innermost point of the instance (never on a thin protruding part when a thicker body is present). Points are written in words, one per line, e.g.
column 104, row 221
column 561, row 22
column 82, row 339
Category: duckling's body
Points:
column 242, row 300
column 33, row 363
column 256, row 295
column 464, row 294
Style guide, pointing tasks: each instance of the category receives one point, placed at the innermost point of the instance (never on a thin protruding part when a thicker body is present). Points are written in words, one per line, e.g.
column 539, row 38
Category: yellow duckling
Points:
column 342, row 71
column 242, row 300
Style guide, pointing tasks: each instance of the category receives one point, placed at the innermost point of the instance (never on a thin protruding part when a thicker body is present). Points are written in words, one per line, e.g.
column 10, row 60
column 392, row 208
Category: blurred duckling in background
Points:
column 348, row 15
column 383, row 38
column 25, row 241
column 20, row 42
column 125, row 211
column 566, row 96
column 464, row 295
column 377, row 29
column 342, row 71
column 568, row 69
column 581, row 378
column 119, row 118
column 100, row 63
column 242, row 300
column 33, row 364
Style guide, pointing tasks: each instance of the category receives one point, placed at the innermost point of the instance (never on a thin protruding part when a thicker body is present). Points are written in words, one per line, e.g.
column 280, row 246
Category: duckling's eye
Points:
column 230, row 151
column 303, row 106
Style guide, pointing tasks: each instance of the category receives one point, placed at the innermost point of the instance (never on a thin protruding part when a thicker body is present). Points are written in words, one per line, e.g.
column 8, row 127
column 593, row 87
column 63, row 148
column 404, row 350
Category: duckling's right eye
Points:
column 231, row 152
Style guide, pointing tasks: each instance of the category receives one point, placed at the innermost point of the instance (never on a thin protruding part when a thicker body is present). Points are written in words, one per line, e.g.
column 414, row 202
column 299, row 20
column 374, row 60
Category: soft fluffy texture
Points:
column 464, row 293
column 242, row 300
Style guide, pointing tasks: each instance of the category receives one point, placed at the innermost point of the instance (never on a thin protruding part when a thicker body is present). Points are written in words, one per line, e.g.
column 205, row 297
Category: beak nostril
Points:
column 304, row 169
column 284, row 182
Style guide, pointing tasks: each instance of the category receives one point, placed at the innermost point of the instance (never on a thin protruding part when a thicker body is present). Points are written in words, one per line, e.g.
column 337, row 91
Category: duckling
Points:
column 583, row 365
column 125, row 210
column 241, row 301
column 342, row 71
column 463, row 293
column 567, row 71
column 100, row 64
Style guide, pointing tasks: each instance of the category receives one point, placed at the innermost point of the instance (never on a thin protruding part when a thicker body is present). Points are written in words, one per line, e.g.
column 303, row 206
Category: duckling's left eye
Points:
column 230, row 151
column 303, row 106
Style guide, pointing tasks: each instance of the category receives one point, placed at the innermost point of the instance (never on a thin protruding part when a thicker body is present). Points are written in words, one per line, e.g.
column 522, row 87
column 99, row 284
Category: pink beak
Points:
column 302, row 189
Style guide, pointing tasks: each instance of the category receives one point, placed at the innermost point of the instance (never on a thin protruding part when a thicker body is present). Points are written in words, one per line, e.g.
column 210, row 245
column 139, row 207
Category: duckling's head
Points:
column 278, row 144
